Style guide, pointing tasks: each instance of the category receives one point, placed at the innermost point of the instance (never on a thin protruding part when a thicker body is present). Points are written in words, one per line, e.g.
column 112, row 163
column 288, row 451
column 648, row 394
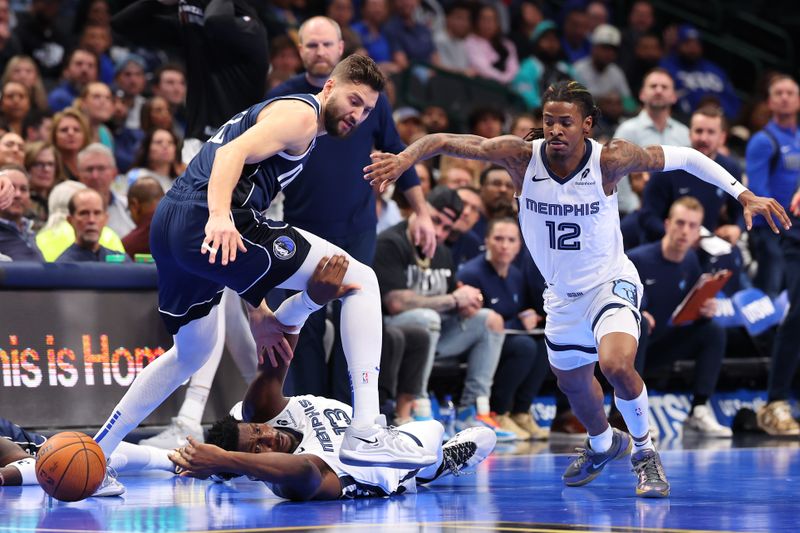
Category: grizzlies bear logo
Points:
column 626, row 290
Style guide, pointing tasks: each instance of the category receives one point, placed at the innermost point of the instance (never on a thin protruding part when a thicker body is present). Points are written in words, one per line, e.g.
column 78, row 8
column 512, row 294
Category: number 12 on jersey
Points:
column 564, row 236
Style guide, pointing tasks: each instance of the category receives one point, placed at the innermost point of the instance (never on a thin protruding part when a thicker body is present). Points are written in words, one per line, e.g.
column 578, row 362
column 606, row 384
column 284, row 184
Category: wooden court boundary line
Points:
column 521, row 527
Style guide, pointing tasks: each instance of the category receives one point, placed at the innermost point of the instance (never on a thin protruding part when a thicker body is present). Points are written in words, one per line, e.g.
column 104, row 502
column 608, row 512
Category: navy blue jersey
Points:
column 259, row 182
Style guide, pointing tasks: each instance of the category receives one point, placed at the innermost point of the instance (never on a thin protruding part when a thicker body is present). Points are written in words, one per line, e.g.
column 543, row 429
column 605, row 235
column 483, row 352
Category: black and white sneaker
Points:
column 464, row 452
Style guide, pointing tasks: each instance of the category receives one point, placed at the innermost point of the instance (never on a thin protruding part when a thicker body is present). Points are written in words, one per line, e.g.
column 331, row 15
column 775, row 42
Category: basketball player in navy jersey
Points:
column 208, row 233
column 566, row 185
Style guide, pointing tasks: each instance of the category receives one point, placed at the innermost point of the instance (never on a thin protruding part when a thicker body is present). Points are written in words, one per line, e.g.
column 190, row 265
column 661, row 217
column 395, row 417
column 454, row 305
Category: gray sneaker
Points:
column 378, row 445
column 652, row 480
column 589, row 463
column 110, row 486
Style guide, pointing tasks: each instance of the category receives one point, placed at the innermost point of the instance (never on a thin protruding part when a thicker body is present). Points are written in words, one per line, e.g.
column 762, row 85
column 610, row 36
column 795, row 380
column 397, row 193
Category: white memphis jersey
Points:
column 320, row 424
column 570, row 226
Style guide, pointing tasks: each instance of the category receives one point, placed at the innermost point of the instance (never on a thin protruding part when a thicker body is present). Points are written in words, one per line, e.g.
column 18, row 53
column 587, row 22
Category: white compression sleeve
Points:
column 27, row 468
column 695, row 163
column 295, row 310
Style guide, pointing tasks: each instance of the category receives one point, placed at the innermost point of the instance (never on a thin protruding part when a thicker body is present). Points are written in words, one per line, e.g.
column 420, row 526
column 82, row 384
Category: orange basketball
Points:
column 70, row 466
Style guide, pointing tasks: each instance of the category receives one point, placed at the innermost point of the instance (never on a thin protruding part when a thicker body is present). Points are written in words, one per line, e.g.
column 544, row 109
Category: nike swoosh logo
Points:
column 540, row 179
column 595, row 467
column 373, row 442
column 733, row 182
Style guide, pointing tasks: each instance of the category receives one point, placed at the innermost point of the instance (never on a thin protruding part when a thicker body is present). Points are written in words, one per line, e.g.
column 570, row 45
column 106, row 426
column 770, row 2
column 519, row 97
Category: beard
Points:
column 332, row 119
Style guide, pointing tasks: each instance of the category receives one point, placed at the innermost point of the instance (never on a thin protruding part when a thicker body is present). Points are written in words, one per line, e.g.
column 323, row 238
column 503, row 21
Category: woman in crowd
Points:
column 159, row 157
column 44, row 167
column 14, row 105
column 23, row 69
column 70, row 135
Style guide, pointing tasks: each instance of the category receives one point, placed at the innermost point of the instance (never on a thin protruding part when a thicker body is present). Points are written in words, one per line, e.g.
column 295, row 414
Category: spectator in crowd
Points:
column 155, row 113
column 350, row 221
column 653, row 125
column 450, row 40
column 697, row 78
column 284, row 61
column 80, row 68
column 12, row 149
column 342, row 12
column 524, row 123
column 159, row 157
column 463, row 244
column 97, row 105
column 435, row 119
column 669, row 269
column 575, row 42
column 70, row 134
column 526, row 16
column 597, row 13
column 387, row 210
column 722, row 213
column 97, row 170
column 15, row 105
column 409, row 124
column 491, row 55
column 129, row 78
column 647, row 55
column 523, row 361
column 88, row 217
column 37, row 125
column 611, row 111
column 497, row 195
column 16, row 231
column 374, row 14
column 169, row 82
column 599, row 72
column 403, row 360
column 9, row 43
column 773, row 167
column 126, row 140
column 641, row 21
column 543, row 67
column 44, row 169
column 456, row 176
column 97, row 38
column 57, row 234
column 42, row 38
column 486, row 121
column 143, row 197
column 410, row 40
column 24, row 70
column 422, row 291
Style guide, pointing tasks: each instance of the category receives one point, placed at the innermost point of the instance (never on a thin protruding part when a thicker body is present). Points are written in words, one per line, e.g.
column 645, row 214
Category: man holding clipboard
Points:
column 678, row 325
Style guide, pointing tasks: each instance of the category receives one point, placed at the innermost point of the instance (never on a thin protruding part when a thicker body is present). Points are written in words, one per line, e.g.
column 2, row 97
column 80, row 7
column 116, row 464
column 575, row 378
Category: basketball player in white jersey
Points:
column 566, row 185
column 292, row 444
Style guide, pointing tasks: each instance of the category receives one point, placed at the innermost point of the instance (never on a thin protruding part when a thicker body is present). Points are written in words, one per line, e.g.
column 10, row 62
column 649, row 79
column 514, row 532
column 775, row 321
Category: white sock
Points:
column 135, row 458
column 636, row 413
column 602, row 443
column 159, row 380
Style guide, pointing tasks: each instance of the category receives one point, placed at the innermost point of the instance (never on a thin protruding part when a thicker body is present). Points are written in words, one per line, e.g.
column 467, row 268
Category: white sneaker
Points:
column 110, row 486
column 703, row 422
column 378, row 445
column 175, row 435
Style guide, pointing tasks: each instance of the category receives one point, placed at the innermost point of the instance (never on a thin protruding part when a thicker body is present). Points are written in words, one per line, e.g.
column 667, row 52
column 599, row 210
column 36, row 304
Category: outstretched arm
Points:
column 508, row 151
column 620, row 158
column 296, row 477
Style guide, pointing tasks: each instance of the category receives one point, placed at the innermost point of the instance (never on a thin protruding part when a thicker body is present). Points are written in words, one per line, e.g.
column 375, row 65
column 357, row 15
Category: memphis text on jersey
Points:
column 562, row 210
column 24, row 366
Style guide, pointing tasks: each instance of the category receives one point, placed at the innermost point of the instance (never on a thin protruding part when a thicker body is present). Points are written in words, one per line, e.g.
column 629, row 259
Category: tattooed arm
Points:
column 508, row 151
column 622, row 157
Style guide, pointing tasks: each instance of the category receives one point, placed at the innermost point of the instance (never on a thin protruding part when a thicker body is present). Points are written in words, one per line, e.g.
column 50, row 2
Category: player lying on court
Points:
column 292, row 443
column 566, row 184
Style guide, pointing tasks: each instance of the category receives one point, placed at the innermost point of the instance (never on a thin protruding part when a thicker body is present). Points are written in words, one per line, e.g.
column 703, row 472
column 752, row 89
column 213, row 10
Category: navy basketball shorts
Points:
column 188, row 285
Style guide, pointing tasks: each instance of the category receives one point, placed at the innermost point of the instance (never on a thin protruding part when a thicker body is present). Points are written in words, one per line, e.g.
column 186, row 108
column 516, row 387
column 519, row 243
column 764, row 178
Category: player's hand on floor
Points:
column 325, row 284
column 222, row 238
column 198, row 460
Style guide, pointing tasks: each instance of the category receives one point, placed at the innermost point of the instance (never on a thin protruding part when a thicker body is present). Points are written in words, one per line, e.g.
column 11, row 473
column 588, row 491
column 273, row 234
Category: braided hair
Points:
column 572, row 92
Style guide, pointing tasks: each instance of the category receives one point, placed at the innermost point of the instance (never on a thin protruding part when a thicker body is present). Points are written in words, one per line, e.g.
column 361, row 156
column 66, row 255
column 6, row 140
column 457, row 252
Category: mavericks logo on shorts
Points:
column 626, row 290
column 283, row 247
